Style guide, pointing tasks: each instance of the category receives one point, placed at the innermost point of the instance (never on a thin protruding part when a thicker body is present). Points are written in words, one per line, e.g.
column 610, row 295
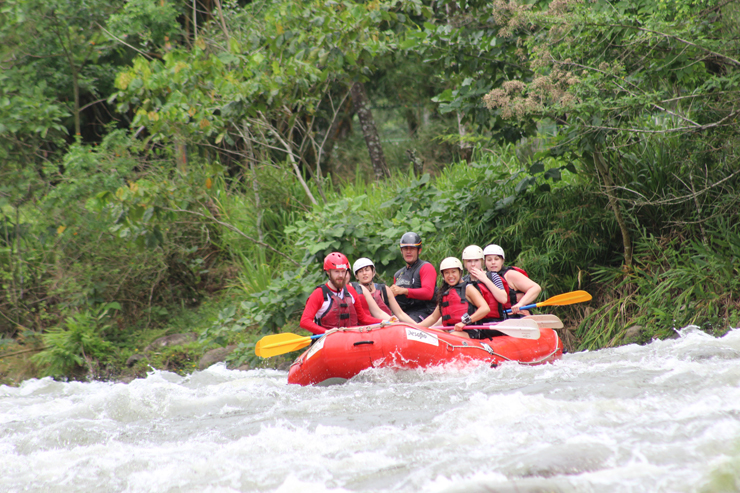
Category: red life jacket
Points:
column 341, row 312
column 507, row 305
column 455, row 304
column 379, row 295
column 381, row 298
column 496, row 313
column 510, row 290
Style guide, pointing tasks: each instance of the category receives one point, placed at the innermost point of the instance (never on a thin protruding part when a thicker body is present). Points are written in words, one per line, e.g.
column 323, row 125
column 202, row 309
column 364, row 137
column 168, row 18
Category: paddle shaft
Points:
column 525, row 307
column 472, row 327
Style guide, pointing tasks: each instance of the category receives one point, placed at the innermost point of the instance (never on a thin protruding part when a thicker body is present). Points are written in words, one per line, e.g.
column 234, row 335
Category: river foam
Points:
column 660, row 417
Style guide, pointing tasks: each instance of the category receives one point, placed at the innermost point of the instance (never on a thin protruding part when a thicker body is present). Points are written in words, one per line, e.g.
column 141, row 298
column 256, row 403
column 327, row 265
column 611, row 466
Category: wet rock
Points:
column 632, row 334
column 215, row 356
column 134, row 358
column 171, row 340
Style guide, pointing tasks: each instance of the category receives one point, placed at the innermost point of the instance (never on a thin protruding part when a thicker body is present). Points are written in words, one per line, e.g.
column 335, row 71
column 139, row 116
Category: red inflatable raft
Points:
column 342, row 354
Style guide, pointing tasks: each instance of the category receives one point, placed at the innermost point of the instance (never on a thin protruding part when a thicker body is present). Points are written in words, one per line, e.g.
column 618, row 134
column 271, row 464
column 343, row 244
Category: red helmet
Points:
column 336, row 260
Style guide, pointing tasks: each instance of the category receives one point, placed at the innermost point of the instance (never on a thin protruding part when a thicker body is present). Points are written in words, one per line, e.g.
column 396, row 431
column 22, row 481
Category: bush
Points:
column 79, row 345
column 674, row 284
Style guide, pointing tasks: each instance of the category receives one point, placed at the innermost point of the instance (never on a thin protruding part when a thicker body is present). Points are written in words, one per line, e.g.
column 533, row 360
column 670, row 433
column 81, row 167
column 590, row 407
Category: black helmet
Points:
column 411, row 239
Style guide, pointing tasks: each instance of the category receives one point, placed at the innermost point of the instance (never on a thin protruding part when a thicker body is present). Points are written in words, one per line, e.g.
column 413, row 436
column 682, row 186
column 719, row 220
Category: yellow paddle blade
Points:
column 274, row 345
column 566, row 299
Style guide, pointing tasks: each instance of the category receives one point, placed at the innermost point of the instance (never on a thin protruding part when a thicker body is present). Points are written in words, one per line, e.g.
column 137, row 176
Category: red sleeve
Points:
column 313, row 303
column 363, row 311
column 428, row 278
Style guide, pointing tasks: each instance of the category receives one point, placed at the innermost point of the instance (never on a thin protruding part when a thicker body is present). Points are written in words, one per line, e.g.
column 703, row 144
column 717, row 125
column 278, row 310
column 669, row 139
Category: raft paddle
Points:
column 559, row 300
column 276, row 344
column 519, row 328
column 545, row 321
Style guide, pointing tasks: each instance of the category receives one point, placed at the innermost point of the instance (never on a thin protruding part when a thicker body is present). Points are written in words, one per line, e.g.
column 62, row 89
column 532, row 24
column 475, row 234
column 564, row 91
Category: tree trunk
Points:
column 76, row 87
column 369, row 131
column 181, row 155
column 603, row 170
column 466, row 149
column 251, row 160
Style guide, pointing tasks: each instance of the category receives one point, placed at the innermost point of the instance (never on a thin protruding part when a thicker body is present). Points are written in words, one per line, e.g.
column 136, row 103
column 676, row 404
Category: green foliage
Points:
column 360, row 228
column 79, row 345
column 477, row 47
column 58, row 48
column 208, row 176
column 224, row 328
column 145, row 23
column 144, row 210
column 674, row 284
column 284, row 298
column 283, row 56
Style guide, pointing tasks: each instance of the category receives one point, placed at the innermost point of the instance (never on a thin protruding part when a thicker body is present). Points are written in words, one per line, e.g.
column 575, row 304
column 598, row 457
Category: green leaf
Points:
column 554, row 174
column 444, row 97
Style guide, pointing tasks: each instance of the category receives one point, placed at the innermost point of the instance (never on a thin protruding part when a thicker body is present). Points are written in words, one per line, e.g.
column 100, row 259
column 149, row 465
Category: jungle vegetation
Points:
column 170, row 166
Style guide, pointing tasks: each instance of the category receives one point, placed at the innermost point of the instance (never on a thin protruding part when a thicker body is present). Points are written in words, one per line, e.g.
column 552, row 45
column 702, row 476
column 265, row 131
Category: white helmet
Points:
column 494, row 250
column 450, row 263
column 360, row 263
column 472, row 252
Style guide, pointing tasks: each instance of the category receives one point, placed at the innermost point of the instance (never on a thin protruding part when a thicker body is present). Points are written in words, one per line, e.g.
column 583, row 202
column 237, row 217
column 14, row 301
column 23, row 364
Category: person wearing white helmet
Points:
column 522, row 290
column 380, row 299
column 489, row 284
column 458, row 303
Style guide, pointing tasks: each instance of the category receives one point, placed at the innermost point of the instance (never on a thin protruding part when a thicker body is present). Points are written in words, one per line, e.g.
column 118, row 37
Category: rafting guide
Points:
column 413, row 285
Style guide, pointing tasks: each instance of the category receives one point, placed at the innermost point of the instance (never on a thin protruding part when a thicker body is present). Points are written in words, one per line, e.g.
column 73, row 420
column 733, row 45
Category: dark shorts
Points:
column 418, row 316
column 484, row 333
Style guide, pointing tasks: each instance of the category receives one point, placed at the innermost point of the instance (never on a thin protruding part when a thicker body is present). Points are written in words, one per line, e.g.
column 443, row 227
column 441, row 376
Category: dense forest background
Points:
column 182, row 167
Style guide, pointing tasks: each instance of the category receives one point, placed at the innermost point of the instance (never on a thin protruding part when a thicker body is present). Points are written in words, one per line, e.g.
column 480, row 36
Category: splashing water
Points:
column 661, row 417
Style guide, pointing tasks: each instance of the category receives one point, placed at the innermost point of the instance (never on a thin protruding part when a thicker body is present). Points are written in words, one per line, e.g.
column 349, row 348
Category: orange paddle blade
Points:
column 566, row 299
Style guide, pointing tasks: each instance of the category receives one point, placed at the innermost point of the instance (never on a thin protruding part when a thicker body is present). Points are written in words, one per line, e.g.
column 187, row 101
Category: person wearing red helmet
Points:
column 413, row 285
column 335, row 304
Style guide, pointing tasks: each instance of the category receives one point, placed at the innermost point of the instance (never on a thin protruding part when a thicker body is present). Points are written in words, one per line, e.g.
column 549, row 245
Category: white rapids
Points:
column 664, row 417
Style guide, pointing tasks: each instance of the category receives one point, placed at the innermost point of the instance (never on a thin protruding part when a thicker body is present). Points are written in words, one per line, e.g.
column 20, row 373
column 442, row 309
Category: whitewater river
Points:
column 661, row 417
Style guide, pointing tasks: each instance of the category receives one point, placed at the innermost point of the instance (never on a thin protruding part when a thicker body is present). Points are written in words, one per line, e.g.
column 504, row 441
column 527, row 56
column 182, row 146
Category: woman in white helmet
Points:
column 490, row 285
column 522, row 290
column 458, row 303
column 380, row 299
